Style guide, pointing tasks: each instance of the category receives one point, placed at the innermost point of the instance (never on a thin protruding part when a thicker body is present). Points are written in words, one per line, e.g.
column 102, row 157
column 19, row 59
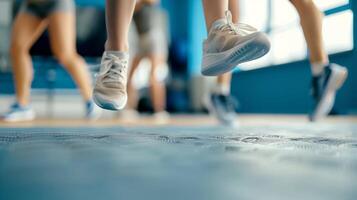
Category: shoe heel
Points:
column 341, row 76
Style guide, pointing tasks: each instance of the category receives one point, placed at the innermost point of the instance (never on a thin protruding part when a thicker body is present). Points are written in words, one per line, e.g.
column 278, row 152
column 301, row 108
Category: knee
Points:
column 17, row 49
column 66, row 58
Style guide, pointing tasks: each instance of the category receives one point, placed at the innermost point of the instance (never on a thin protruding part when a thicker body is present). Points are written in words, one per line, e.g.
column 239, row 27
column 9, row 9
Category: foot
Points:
column 161, row 117
column 19, row 113
column 92, row 111
column 110, row 87
column 324, row 89
column 224, row 108
column 231, row 44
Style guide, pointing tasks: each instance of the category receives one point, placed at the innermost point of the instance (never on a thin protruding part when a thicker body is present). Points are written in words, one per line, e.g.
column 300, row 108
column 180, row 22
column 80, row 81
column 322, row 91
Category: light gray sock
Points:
column 318, row 67
column 222, row 89
column 119, row 54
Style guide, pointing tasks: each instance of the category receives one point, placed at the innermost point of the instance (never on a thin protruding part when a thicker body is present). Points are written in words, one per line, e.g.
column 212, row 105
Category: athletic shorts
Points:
column 151, row 28
column 44, row 8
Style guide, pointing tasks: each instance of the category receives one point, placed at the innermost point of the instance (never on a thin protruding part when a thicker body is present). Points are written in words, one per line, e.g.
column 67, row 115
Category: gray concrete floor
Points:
column 267, row 157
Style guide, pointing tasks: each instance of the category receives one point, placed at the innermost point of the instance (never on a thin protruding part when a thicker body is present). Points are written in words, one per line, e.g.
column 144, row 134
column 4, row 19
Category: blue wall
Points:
column 98, row 3
column 197, row 32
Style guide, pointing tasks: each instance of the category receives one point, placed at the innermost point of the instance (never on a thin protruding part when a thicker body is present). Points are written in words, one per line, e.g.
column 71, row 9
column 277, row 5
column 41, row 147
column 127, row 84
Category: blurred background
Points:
column 277, row 83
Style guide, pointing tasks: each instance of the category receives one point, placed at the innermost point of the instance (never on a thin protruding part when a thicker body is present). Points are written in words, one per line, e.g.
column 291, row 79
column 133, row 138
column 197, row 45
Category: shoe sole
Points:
column 28, row 118
column 108, row 105
column 324, row 107
column 220, row 63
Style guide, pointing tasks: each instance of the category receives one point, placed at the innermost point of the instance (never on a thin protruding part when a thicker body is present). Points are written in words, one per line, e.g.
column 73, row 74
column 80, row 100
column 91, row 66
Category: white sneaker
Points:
column 19, row 113
column 231, row 44
column 110, row 87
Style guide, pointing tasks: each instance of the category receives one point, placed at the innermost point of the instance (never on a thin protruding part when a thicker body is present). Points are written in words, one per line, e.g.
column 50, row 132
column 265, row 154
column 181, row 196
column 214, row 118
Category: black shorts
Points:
column 44, row 8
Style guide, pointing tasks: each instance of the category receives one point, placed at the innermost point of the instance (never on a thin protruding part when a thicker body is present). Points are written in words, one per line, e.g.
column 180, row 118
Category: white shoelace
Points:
column 236, row 29
column 113, row 69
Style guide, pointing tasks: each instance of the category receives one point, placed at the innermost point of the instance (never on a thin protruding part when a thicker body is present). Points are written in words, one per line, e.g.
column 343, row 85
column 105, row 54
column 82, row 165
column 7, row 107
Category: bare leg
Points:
column 223, row 85
column 157, row 88
column 63, row 43
column 26, row 30
column 132, row 93
column 311, row 22
column 214, row 9
column 224, row 80
column 118, row 17
column 112, row 94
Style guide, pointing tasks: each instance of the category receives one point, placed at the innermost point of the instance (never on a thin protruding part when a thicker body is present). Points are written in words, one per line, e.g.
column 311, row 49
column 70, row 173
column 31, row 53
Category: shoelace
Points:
column 237, row 29
column 113, row 68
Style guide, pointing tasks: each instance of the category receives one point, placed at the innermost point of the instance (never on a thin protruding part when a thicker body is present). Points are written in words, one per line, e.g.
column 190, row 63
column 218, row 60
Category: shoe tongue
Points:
column 218, row 23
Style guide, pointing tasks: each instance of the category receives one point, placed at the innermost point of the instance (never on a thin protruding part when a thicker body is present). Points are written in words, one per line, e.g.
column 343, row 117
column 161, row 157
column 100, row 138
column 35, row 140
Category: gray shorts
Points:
column 44, row 8
column 151, row 27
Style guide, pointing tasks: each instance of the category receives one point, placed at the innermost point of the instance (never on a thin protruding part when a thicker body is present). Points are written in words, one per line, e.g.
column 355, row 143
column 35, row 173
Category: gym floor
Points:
column 189, row 157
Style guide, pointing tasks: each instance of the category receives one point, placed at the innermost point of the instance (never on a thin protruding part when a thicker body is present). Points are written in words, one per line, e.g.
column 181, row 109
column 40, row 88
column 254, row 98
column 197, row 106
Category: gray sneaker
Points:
column 324, row 88
column 110, row 87
column 223, row 107
column 230, row 44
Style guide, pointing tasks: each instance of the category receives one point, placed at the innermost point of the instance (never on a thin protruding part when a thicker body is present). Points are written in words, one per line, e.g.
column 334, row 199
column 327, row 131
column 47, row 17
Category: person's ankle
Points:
column 114, row 46
column 221, row 89
column 318, row 67
column 22, row 104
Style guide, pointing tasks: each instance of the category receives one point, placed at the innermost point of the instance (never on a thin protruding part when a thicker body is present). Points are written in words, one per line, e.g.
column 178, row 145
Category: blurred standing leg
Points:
column 63, row 43
column 157, row 87
column 26, row 30
column 132, row 92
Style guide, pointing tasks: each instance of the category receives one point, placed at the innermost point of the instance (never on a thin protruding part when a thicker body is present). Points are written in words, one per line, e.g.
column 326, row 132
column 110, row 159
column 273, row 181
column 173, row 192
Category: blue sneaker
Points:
column 229, row 44
column 19, row 113
column 224, row 108
column 92, row 111
column 324, row 89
